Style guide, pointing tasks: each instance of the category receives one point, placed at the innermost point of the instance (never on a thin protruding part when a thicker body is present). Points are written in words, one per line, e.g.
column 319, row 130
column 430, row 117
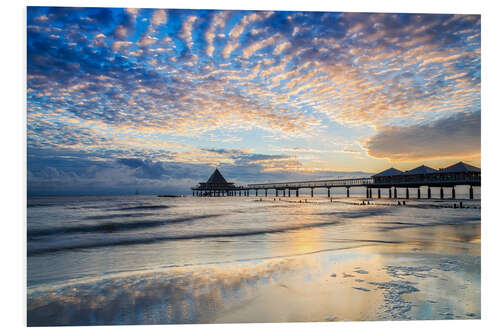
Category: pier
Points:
column 390, row 183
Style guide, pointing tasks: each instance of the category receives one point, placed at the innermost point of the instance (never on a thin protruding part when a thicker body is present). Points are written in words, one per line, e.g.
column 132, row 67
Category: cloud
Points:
column 239, row 28
column 159, row 17
column 186, row 30
column 457, row 136
column 250, row 50
column 218, row 22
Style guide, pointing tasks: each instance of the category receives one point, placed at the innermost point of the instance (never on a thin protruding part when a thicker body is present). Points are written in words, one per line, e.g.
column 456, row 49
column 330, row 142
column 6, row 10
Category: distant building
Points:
column 216, row 186
column 386, row 176
column 459, row 172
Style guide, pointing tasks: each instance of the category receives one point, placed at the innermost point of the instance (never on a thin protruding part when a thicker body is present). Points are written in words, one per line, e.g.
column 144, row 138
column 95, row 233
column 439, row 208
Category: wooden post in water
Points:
column 471, row 193
column 407, row 193
column 418, row 192
column 347, row 188
column 328, row 191
column 289, row 192
column 367, row 192
column 453, row 193
column 297, row 192
column 429, row 194
column 390, row 192
column 276, row 191
column 378, row 192
column 395, row 192
column 312, row 192
column 265, row 192
column 441, row 193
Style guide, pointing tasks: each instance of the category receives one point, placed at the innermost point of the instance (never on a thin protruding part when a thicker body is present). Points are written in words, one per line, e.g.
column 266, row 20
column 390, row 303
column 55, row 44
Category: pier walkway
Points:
column 391, row 180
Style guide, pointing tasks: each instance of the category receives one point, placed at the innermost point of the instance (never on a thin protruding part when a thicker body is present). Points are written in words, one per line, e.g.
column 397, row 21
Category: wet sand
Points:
column 374, row 283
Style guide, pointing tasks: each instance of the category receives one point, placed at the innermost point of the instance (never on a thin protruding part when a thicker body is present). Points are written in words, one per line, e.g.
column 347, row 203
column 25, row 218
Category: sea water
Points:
column 95, row 260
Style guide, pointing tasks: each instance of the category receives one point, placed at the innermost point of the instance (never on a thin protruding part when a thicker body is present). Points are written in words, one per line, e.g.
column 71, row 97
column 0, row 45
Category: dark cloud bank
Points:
column 456, row 136
column 57, row 175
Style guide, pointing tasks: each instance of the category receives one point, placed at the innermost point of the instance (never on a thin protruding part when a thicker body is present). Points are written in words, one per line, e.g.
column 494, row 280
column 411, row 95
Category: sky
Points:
column 153, row 100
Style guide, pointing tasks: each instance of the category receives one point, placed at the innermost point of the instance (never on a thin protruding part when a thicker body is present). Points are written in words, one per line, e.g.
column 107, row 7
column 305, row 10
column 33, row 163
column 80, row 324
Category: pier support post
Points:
column 276, row 190
column 328, row 192
column 289, row 193
column 367, row 192
column 471, row 193
column 441, row 193
column 390, row 192
column 312, row 192
column 418, row 193
column 395, row 193
column 265, row 192
column 407, row 193
column 378, row 192
column 371, row 194
column 297, row 193
column 429, row 194
column 256, row 192
column 453, row 193
column 284, row 192
column 347, row 188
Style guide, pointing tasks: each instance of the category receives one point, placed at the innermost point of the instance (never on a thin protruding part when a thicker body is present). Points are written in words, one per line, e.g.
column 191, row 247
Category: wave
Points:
column 145, row 207
column 113, row 216
column 112, row 226
column 31, row 205
column 150, row 240
column 394, row 225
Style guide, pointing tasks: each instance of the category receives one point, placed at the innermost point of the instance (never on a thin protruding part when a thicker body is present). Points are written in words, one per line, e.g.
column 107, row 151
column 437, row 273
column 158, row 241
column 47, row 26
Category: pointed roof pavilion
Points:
column 216, row 178
column 388, row 173
column 460, row 167
column 421, row 170
column 215, row 182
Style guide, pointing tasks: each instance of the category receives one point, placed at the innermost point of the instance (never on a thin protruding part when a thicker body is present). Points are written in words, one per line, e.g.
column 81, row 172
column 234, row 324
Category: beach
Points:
column 99, row 260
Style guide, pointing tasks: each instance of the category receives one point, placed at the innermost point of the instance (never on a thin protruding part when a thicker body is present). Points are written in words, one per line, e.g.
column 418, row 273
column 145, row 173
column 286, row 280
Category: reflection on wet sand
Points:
column 321, row 287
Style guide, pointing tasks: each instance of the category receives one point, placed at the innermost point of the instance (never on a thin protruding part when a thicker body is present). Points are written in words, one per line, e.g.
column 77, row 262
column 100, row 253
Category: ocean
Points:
column 143, row 259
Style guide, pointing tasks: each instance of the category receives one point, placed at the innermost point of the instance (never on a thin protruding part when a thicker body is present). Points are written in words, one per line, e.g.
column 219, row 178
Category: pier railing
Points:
column 315, row 183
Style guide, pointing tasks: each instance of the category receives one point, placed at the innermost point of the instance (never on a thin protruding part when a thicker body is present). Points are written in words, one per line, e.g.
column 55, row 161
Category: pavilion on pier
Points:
column 217, row 186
